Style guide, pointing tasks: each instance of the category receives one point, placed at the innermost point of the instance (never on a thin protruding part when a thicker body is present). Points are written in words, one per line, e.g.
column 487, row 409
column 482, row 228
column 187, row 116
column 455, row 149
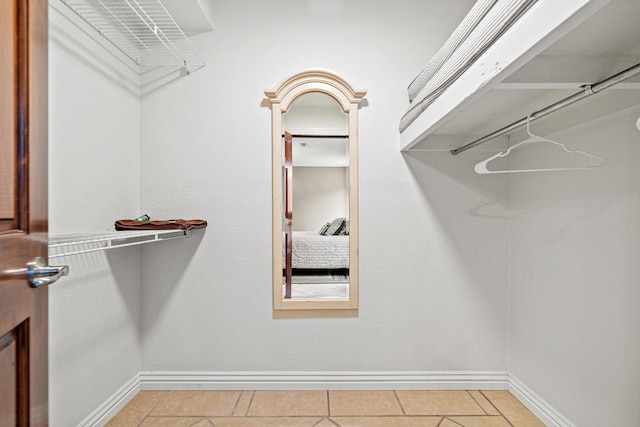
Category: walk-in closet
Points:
column 384, row 204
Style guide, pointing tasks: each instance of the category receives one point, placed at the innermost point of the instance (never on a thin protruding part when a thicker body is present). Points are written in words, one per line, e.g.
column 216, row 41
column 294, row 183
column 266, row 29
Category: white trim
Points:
column 541, row 408
column 113, row 404
column 436, row 380
column 324, row 380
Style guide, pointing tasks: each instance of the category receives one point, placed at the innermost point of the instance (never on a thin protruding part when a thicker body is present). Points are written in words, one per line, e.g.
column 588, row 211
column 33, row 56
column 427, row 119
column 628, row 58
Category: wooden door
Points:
column 23, row 211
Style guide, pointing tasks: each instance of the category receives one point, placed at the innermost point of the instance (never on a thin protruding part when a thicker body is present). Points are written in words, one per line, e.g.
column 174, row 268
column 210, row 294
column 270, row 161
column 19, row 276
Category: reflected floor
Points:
column 318, row 290
column 320, row 278
column 318, row 284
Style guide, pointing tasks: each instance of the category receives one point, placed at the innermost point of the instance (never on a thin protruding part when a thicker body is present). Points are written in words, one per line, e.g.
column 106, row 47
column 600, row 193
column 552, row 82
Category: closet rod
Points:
column 587, row 91
column 318, row 136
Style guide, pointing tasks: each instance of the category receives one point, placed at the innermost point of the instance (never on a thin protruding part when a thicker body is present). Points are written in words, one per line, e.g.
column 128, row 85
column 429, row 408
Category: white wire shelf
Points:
column 142, row 30
column 82, row 243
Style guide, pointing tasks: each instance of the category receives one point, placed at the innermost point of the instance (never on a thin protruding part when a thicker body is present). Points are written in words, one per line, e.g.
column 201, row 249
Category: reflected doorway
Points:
column 316, row 223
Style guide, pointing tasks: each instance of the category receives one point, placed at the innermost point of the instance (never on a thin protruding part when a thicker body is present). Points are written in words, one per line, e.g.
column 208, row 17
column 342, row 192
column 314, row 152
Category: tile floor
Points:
column 324, row 409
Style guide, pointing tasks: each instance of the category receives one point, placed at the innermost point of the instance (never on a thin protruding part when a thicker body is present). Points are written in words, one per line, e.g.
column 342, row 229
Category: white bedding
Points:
column 311, row 250
column 484, row 25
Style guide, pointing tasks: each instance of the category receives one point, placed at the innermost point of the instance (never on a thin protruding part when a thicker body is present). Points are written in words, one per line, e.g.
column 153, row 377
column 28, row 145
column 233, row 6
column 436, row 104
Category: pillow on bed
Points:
column 336, row 227
column 345, row 229
column 323, row 229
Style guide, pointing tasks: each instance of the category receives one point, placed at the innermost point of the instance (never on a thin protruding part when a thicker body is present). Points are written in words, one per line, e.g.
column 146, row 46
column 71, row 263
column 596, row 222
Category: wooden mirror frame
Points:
column 281, row 98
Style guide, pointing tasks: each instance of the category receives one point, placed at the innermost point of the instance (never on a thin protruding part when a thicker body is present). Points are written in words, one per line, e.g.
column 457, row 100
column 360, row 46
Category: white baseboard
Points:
column 452, row 380
column 113, row 404
column 323, row 380
column 547, row 414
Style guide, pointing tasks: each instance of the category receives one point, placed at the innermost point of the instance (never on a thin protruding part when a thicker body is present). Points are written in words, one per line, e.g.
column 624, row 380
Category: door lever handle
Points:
column 38, row 273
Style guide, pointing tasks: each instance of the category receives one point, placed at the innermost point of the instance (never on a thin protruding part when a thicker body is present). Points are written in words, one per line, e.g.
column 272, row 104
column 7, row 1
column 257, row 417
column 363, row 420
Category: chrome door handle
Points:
column 37, row 273
column 40, row 274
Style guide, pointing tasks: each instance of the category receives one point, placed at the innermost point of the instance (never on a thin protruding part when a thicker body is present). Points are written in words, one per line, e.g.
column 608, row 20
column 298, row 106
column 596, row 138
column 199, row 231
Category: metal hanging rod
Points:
column 587, row 90
column 318, row 136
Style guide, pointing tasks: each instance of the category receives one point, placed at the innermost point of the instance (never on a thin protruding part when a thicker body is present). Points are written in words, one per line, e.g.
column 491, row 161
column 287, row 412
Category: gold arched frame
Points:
column 281, row 98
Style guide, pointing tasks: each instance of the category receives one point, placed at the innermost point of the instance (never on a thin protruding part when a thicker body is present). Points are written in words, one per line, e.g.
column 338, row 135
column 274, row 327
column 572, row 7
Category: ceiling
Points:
column 613, row 30
column 193, row 16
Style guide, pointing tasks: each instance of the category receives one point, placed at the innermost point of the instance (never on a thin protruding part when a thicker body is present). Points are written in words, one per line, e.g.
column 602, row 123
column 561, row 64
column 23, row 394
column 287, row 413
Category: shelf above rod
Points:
column 587, row 91
column 82, row 243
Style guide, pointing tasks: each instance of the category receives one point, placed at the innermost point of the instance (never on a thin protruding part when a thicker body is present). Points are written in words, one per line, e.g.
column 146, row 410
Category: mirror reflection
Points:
column 315, row 199
column 7, row 185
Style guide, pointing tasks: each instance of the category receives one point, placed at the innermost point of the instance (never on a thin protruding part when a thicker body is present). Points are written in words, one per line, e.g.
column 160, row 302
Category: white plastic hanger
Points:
column 594, row 160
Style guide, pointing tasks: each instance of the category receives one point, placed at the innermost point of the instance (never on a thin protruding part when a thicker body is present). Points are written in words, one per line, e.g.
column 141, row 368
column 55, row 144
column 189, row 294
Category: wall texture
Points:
column 94, row 314
column 432, row 297
column 320, row 194
column 575, row 300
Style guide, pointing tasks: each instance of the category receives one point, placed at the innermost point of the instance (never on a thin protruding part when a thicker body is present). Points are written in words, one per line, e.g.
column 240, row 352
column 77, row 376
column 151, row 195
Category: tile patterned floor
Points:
column 324, row 409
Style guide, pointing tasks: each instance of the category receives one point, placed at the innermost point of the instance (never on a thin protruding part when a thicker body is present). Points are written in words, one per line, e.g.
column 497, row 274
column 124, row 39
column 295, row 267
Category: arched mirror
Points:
column 315, row 193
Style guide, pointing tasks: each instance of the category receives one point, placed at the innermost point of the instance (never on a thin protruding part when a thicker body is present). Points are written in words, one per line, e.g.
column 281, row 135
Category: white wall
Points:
column 94, row 313
column 432, row 296
column 319, row 196
column 575, row 299
column 323, row 113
